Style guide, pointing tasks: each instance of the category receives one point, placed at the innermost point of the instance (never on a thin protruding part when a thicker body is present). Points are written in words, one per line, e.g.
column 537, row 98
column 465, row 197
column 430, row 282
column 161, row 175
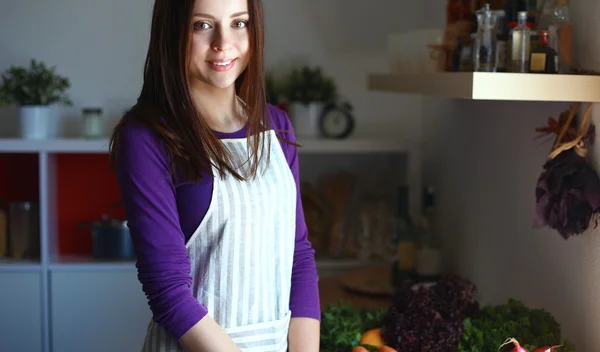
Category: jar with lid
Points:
column 93, row 124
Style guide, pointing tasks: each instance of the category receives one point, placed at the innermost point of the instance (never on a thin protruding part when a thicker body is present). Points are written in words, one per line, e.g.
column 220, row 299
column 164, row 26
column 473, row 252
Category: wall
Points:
column 485, row 159
column 101, row 46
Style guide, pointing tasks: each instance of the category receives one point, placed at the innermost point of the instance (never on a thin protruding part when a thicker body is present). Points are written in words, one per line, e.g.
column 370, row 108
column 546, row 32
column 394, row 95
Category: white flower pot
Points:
column 305, row 119
column 35, row 122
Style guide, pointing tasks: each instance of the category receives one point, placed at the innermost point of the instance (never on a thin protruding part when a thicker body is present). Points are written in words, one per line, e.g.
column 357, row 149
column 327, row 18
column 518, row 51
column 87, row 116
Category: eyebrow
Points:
column 199, row 14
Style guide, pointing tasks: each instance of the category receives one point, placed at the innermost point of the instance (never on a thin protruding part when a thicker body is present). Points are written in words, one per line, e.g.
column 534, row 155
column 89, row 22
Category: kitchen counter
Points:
column 331, row 291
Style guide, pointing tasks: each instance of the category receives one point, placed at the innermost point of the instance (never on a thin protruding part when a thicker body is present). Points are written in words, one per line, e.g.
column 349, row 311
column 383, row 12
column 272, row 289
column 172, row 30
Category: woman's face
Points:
column 220, row 42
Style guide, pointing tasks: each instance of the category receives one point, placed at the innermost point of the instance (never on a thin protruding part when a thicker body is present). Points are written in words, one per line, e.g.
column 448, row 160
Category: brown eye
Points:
column 240, row 24
column 201, row 25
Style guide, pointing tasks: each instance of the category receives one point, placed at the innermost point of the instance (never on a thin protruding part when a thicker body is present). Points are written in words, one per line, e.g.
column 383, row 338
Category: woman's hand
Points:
column 208, row 336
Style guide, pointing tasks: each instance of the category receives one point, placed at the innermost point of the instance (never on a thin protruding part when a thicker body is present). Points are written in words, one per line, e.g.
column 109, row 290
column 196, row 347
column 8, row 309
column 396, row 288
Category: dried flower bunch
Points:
column 568, row 190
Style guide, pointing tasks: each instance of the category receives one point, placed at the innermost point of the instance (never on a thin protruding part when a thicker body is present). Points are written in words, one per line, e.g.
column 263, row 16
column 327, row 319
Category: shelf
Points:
column 324, row 146
column 492, row 86
column 100, row 146
column 341, row 264
column 61, row 145
column 82, row 262
column 10, row 265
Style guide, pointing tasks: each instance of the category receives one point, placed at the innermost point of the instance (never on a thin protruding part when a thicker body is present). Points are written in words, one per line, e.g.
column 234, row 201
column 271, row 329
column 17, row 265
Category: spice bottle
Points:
column 543, row 59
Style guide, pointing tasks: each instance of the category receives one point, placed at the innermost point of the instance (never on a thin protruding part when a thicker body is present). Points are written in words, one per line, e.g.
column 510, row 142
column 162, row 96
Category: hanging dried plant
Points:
column 568, row 190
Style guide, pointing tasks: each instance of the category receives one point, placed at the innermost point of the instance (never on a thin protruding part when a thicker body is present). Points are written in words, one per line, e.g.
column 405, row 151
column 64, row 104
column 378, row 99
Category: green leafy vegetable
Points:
column 343, row 324
column 533, row 328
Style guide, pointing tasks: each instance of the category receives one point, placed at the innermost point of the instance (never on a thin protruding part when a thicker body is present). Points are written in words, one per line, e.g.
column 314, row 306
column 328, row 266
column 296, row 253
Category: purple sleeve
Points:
column 148, row 195
column 304, row 299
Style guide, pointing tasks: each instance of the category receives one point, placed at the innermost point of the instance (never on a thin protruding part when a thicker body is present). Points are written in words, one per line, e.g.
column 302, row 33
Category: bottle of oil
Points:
column 543, row 59
column 561, row 35
column 429, row 244
column 404, row 232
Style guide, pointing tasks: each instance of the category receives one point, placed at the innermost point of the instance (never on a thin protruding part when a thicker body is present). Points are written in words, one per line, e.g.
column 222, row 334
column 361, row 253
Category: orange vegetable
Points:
column 372, row 337
column 359, row 349
column 386, row 349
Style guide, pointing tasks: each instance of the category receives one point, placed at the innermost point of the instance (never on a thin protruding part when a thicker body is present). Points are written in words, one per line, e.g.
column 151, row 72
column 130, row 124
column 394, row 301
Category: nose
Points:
column 221, row 40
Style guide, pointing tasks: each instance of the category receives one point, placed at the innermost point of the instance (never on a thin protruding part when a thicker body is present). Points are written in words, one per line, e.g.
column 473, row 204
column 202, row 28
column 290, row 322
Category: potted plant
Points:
column 307, row 91
column 33, row 90
column 273, row 90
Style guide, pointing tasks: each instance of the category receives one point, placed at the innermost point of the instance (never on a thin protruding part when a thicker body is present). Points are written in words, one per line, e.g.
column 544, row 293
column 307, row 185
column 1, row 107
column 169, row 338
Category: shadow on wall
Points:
column 356, row 26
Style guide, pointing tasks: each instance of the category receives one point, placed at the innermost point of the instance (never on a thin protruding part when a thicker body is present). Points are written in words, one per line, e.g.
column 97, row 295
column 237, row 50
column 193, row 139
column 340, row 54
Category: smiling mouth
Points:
column 222, row 65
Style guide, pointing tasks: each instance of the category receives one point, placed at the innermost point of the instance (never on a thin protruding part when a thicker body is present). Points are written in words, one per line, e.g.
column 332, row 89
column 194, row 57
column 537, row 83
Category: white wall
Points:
column 485, row 160
column 101, row 46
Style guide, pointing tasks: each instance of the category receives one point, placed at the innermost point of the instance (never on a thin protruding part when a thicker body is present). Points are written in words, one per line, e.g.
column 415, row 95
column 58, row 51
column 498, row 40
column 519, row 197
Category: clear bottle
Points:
column 485, row 50
column 520, row 44
column 545, row 15
column 561, row 35
column 502, row 50
column 429, row 244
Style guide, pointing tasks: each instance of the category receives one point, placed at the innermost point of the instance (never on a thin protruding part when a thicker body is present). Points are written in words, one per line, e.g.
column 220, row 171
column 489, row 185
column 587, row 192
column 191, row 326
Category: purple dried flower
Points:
column 568, row 193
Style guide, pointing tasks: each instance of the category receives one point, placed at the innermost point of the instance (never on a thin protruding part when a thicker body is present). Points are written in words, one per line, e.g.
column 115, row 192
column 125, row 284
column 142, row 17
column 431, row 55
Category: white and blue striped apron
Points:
column 242, row 255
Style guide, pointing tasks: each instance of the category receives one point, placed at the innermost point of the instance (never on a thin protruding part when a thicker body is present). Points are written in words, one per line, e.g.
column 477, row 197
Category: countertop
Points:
column 330, row 291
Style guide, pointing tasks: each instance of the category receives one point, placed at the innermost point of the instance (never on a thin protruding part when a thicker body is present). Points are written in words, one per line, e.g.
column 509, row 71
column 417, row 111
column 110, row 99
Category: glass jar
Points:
column 93, row 124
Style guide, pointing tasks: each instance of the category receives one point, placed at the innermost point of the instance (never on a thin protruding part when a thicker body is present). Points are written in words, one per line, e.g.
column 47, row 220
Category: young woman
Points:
column 208, row 174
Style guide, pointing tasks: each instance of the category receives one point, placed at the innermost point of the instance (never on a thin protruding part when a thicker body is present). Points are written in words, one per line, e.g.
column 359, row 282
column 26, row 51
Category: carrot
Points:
column 359, row 349
column 386, row 349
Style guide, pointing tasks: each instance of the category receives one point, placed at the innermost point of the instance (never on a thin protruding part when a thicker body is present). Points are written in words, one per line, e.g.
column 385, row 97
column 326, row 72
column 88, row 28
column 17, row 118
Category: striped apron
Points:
column 242, row 255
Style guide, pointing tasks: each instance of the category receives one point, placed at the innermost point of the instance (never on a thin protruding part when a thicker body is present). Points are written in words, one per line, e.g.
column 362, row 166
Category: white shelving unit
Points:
column 47, row 151
column 492, row 85
column 61, row 279
column 100, row 146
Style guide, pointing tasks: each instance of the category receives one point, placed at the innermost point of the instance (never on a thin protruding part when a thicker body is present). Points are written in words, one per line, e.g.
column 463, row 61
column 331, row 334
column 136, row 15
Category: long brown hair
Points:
column 165, row 104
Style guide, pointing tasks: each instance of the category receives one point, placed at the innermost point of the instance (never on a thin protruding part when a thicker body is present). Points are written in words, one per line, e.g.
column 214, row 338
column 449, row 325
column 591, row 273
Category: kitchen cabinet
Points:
column 97, row 311
column 21, row 311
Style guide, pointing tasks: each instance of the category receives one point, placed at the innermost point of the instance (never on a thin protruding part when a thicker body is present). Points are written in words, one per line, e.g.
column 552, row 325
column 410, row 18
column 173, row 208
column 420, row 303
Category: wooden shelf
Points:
column 492, row 86
column 100, row 146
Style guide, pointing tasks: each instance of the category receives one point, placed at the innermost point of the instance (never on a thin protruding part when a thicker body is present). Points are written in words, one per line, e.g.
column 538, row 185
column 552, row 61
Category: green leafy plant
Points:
column 343, row 324
column 33, row 85
column 306, row 85
column 272, row 88
column 533, row 328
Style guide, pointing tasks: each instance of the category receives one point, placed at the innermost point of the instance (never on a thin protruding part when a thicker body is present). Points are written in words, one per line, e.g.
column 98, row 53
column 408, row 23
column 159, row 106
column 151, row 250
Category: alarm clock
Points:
column 336, row 121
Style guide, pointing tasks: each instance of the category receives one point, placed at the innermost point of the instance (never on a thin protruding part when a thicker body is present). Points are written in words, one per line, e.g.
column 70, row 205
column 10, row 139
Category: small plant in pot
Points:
column 33, row 90
column 308, row 91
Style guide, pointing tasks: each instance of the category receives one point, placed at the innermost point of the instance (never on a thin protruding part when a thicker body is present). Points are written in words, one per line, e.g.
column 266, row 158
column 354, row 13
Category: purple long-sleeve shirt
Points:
column 162, row 216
